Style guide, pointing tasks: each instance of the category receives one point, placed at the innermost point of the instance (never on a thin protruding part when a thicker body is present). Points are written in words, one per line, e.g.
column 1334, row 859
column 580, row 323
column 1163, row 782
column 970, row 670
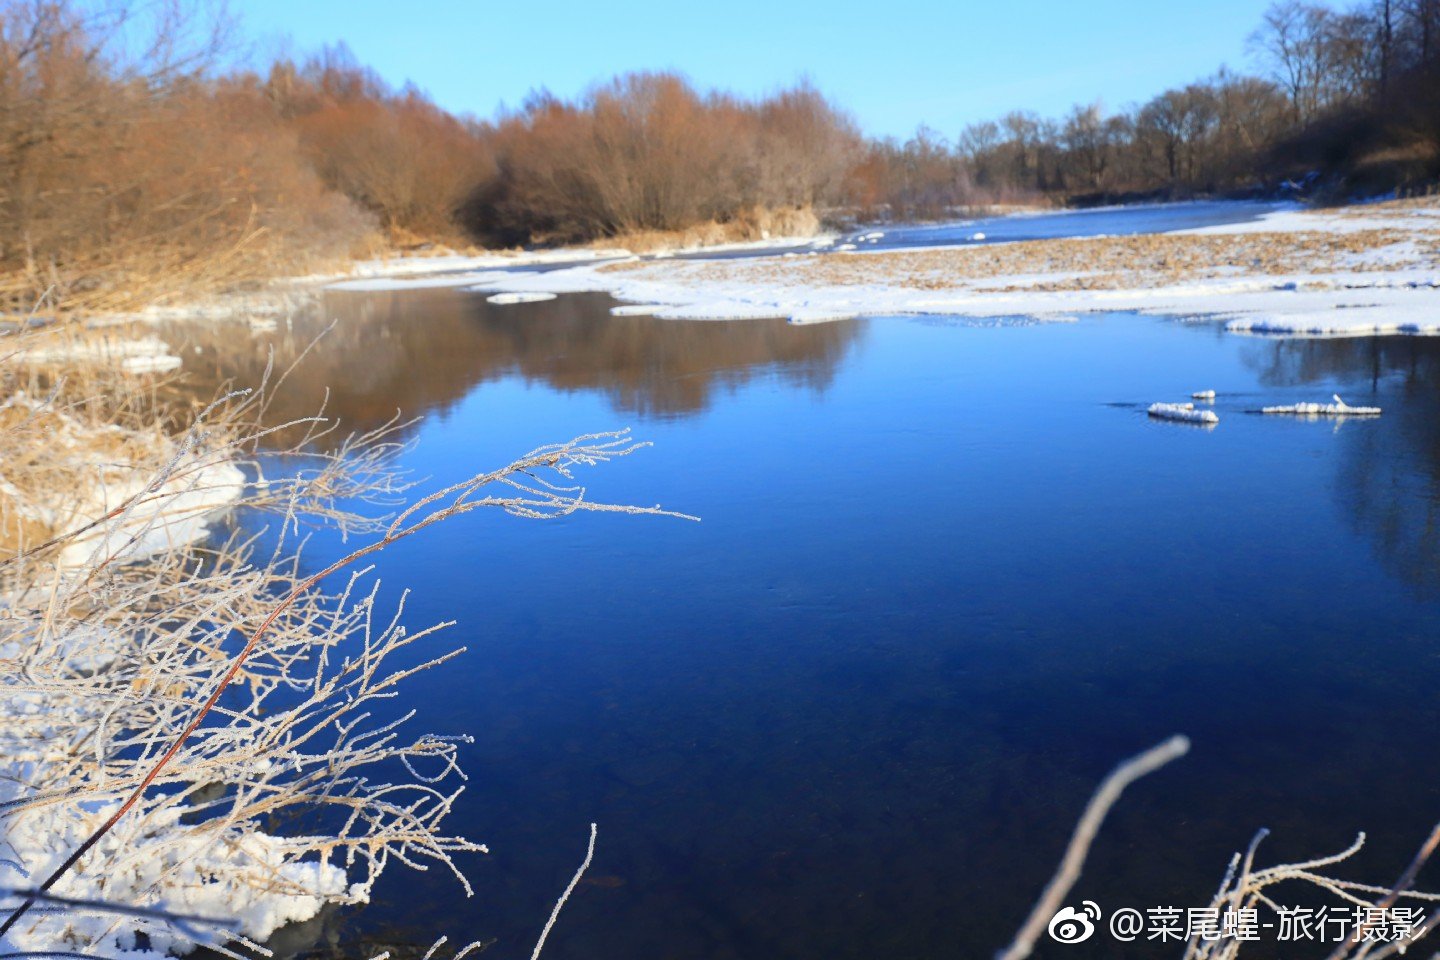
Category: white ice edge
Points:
column 1337, row 304
column 445, row 270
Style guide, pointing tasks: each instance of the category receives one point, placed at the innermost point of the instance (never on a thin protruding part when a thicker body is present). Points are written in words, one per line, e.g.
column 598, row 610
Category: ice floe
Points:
column 1182, row 411
column 1337, row 409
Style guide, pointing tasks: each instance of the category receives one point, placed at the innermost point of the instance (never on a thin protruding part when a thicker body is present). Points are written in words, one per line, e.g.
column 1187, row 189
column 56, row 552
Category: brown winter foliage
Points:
column 124, row 170
column 395, row 154
column 133, row 170
column 648, row 152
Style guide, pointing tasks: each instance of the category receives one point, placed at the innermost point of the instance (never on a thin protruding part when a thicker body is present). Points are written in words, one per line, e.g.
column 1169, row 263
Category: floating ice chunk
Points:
column 846, row 246
column 507, row 298
column 1337, row 409
column 1203, row 395
column 1182, row 411
column 978, row 235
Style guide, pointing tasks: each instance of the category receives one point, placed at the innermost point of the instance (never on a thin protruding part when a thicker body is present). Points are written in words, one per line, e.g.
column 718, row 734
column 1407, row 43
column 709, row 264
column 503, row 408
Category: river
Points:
column 948, row 574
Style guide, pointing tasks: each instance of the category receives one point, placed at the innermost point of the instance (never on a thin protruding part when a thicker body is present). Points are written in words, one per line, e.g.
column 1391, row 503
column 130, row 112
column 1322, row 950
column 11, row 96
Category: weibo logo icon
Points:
column 1070, row 925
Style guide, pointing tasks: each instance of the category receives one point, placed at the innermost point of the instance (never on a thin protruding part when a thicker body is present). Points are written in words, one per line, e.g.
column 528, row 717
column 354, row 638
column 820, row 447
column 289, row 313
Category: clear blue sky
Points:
column 893, row 63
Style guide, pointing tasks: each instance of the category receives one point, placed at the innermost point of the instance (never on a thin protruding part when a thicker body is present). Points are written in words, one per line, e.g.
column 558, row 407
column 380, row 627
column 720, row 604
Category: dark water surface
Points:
column 948, row 574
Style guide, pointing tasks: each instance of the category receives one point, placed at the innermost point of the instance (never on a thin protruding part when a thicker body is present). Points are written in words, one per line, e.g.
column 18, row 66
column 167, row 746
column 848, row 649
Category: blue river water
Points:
column 948, row 574
column 1102, row 221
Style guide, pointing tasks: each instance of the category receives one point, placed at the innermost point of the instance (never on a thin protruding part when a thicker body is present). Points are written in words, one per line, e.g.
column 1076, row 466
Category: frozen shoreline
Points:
column 1377, row 270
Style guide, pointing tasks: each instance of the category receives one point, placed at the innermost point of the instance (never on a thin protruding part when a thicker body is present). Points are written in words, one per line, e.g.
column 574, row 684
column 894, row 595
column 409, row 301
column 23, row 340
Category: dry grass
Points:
column 1100, row 263
column 757, row 223
column 119, row 280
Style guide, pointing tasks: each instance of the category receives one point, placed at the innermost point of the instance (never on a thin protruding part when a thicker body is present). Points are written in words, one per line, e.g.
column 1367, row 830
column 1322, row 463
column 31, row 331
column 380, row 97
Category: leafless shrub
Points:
column 648, row 152
column 165, row 701
column 128, row 172
column 395, row 154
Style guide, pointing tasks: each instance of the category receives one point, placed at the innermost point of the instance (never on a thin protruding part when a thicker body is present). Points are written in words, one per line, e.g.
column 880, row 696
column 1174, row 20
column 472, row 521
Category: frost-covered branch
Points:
column 168, row 696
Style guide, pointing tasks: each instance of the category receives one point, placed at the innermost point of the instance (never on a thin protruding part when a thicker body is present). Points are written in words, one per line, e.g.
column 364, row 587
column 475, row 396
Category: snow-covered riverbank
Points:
column 1353, row 271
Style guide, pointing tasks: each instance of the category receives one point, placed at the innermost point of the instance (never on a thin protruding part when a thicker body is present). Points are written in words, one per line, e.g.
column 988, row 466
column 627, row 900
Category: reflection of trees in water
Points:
column 418, row 351
column 1389, row 474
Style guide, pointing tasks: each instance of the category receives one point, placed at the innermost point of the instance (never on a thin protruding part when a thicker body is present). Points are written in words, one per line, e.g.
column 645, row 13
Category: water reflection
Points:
column 1387, row 476
column 833, row 720
column 421, row 351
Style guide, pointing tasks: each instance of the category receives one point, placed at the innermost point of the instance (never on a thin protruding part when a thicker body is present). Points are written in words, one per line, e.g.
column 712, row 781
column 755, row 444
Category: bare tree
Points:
column 1292, row 41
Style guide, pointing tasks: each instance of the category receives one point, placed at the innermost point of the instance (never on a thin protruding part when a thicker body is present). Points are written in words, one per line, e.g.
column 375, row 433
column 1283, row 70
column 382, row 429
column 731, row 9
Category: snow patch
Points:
column 133, row 355
column 149, row 862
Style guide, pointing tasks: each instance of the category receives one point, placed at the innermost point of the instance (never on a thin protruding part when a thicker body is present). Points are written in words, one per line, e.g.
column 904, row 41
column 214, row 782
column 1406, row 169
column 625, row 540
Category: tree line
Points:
column 128, row 152
column 1346, row 100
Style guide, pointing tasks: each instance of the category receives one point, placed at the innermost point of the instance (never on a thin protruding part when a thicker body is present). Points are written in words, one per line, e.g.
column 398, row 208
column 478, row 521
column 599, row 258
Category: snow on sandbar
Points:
column 1294, row 218
column 1393, row 288
column 1351, row 304
column 1390, row 312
